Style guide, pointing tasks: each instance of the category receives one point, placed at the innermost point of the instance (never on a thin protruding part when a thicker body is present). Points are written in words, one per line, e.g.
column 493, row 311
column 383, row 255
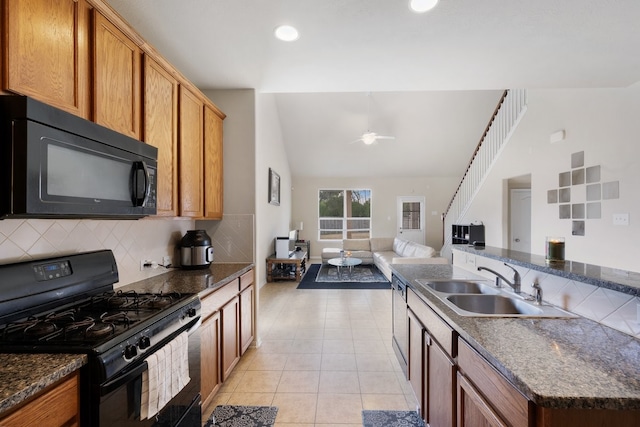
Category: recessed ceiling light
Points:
column 286, row 33
column 421, row 6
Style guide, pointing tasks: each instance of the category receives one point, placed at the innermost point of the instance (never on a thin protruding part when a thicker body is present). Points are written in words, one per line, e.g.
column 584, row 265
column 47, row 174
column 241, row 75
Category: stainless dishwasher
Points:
column 400, row 322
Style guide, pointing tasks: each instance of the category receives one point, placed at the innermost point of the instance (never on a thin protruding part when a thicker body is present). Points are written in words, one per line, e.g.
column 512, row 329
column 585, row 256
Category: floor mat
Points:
column 309, row 281
column 242, row 416
column 391, row 419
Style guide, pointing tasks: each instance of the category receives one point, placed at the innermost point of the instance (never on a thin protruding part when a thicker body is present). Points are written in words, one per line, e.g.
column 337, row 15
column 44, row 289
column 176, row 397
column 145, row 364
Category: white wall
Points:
column 385, row 191
column 271, row 220
column 605, row 125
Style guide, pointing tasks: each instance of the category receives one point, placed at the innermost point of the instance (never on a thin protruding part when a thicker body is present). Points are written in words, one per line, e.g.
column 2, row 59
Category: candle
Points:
column 554, row 249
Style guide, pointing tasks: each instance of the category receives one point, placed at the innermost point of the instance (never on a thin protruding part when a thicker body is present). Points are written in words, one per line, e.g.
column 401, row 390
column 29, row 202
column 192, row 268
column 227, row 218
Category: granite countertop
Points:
column 624, row 281
column 200, row 282
column 557, row 363
column 24, row 375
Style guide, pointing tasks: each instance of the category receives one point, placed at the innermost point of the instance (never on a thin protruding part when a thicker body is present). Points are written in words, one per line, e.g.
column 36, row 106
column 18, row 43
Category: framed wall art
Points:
column 274, row 187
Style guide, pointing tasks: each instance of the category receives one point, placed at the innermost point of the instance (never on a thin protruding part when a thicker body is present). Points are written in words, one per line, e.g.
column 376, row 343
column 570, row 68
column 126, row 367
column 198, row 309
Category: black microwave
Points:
column 57, row 165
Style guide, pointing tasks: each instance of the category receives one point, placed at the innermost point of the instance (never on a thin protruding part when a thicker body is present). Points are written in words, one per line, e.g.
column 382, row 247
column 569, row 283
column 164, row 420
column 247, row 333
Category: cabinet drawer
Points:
column 505, row 399
column 246, row 280
column 213, row 301
column 438, row 328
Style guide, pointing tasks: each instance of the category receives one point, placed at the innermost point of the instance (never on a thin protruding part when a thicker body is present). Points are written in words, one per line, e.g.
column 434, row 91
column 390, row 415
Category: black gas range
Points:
column 68, row 305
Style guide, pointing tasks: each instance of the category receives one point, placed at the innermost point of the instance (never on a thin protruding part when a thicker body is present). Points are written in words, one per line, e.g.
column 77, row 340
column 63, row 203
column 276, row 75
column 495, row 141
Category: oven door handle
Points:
column 118, row 381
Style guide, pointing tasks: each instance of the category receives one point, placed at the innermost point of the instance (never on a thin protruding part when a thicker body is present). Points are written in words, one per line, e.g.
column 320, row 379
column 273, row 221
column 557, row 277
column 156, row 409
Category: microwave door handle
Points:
column 140, row 183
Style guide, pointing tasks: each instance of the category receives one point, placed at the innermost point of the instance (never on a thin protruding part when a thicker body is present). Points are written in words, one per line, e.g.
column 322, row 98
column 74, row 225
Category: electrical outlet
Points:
column 621, row 219
column 145, row 263
column 471, row 259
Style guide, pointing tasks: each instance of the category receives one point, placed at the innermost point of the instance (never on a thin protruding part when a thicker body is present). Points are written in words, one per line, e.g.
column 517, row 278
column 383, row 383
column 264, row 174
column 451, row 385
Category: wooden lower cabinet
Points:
column 211, row 379
column 230, row 317
column 441, row 386
column 473, row 409
column 491, row 393
column 58, row 406
column 246, row 318
column 227, row 331
column 431, row 369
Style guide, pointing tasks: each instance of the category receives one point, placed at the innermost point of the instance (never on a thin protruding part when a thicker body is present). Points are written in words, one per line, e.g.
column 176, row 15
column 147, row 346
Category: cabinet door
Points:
column 210, row 357
column 246, row 318
column 190, row 148
column 51, row 65
column 213, row 173
column 230, row 337
column 440, row 388
column 160, row 129
column 473, row 409
column 59, row 406
column 116, row 78
column 417, row 362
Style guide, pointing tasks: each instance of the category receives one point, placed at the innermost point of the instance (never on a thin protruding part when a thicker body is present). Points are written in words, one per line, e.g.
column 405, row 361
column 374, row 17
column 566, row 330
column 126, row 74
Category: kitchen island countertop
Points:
column 557, row 363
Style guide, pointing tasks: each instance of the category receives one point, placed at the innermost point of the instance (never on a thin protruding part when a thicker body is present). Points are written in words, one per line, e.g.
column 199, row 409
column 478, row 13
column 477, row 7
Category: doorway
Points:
column 411, row 218
column 520, row 214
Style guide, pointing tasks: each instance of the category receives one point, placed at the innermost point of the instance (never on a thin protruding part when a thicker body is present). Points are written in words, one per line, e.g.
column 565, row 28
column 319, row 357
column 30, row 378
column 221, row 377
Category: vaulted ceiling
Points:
column 431, row 80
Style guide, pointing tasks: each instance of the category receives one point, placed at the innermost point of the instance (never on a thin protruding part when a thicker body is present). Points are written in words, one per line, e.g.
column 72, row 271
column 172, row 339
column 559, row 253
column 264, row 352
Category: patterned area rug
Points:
column 326, row 277
column 243, row 416
column 359, row 273
column 391, row 419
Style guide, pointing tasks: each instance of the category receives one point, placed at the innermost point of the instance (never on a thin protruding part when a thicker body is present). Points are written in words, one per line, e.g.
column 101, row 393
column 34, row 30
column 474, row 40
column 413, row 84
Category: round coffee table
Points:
column 345, row 262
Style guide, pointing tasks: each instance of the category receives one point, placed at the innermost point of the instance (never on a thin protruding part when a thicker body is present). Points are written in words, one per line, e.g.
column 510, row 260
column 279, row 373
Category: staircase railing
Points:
column 504, row 121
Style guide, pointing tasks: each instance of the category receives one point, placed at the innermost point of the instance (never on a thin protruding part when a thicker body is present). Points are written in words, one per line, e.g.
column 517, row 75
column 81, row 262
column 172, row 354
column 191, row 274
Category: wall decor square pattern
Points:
column 587, row 182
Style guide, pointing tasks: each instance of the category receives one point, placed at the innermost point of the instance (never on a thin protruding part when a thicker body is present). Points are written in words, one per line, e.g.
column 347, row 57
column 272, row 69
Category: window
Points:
column 344, row 214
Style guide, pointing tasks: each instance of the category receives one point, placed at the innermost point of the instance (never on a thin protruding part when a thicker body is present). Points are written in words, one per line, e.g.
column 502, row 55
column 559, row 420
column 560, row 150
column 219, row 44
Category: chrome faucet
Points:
column 516, row 278
column 537, row 292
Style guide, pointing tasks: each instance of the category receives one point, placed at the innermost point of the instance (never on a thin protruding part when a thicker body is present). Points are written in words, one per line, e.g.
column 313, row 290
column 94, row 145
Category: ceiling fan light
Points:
column 422, row 6
column 369, row 138
column 286, row 33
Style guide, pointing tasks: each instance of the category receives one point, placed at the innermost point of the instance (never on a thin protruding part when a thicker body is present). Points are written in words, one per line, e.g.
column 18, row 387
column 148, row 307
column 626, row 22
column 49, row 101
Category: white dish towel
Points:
column 166, row 375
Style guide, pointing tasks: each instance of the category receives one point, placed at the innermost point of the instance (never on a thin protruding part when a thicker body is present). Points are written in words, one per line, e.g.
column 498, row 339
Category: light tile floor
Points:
column 325, row 356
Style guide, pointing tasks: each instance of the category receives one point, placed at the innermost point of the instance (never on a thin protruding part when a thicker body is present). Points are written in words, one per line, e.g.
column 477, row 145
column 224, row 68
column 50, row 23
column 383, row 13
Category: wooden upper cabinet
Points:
column 116, row 78
column 191, row 154
column 213, row 160
column 160, row 129
column 47, row 52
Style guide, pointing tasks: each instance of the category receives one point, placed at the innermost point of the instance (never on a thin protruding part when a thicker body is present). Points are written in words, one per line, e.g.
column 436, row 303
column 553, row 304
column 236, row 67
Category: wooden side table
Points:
column 297, row 260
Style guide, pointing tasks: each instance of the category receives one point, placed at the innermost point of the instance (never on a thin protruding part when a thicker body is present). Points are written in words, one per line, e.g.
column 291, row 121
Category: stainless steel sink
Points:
column 493, row 304
column 473, row 298
column 460, row 287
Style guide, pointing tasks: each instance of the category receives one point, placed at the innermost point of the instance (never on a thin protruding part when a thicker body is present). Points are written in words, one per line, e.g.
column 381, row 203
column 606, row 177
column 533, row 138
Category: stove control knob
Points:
column 191, row 312
column 144, row 343
column 130, row 351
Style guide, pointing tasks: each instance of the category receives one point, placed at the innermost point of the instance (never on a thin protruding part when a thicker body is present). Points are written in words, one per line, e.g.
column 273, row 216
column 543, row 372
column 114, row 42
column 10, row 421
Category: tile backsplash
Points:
column 130, row 240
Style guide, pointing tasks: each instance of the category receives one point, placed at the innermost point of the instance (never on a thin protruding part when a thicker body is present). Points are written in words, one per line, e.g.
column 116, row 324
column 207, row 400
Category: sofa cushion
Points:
column 412, row 249
column 381, row 244
column 356, row 245
column 398, row 245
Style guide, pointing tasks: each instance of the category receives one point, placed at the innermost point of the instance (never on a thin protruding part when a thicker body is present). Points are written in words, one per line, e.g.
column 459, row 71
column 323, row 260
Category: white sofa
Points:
column 384, row 251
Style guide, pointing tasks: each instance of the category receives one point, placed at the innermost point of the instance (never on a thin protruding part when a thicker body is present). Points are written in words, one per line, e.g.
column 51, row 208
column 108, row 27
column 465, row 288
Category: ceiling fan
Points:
column 370, row 137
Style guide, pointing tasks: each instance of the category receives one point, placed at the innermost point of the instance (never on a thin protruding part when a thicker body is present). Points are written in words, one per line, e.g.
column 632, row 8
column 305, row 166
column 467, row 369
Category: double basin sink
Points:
column 477, row 299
